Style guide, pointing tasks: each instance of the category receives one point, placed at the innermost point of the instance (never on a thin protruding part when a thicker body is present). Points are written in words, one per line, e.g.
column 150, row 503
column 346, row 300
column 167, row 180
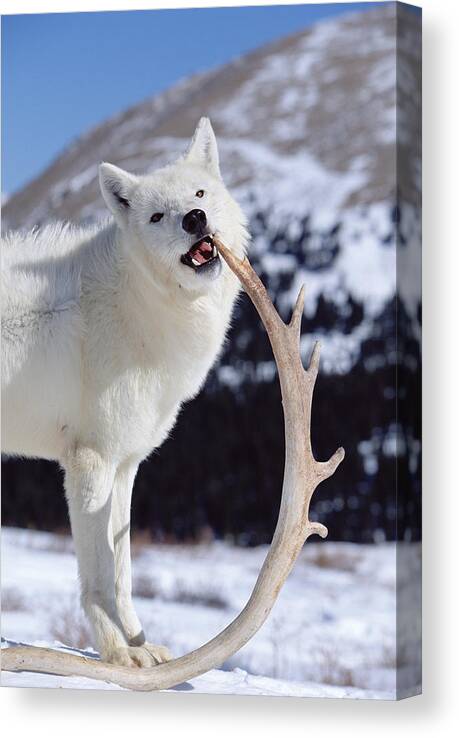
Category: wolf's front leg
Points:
column 148, row 654
column 88, row 485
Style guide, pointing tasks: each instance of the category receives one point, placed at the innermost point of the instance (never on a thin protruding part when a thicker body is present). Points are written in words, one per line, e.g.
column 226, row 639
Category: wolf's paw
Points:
column 140, row 656
column 160, row 654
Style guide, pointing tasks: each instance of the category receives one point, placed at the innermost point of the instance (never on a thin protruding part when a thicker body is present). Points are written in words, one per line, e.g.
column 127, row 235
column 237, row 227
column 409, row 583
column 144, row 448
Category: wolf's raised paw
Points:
column 143, row 656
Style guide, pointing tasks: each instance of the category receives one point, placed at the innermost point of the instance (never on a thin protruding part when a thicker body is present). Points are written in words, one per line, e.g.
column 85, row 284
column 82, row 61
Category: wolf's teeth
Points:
column 196, row 263
column 214, row 250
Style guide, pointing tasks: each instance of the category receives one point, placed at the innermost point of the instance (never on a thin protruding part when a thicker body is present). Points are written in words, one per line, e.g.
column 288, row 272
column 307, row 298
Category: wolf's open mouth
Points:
column 201, row 254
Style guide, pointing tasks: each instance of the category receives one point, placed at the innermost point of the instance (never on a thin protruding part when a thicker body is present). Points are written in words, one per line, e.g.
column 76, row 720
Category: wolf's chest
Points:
column 186, row 353
column 140, row 405
column 169, row 364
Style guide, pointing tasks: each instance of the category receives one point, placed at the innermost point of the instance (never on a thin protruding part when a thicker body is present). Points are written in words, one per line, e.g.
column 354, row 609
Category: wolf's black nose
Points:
column 194, row 221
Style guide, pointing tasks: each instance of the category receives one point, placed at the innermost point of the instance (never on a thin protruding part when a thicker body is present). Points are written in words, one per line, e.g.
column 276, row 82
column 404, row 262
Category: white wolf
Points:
column 106, row 332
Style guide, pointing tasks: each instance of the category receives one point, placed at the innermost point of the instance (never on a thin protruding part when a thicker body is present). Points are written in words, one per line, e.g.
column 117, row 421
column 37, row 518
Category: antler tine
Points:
column 297, row 315
column 314, row 361
column 326, row 469
column 302, row 474
column 318, row 529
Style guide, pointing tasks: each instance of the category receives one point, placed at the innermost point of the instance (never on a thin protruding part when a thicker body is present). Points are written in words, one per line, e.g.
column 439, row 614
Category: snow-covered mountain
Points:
column 319, row 139
column 310, row 116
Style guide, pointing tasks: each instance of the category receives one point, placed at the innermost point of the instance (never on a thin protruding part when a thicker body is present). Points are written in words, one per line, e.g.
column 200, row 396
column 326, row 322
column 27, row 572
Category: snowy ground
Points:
column 331, row 633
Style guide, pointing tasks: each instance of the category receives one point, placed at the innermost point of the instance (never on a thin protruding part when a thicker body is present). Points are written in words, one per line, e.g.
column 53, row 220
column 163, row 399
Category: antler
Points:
column 302, row 474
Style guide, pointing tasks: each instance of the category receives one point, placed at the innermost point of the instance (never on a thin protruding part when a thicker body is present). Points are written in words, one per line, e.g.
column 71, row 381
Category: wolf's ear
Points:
column 116, row 186
column 203, row 148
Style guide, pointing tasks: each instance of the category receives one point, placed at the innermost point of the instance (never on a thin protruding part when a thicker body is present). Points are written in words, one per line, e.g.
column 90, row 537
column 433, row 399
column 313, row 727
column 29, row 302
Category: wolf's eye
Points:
column 156, row 217
column 200, row 193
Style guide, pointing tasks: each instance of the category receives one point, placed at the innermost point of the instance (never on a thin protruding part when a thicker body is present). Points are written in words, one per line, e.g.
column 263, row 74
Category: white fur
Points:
column 105, row 334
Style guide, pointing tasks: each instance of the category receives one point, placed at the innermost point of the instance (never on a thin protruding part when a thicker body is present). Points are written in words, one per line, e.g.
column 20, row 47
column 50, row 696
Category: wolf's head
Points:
column 171, row 216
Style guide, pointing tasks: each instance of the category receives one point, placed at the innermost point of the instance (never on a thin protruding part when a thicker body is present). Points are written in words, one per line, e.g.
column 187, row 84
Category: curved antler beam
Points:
column 302, row 474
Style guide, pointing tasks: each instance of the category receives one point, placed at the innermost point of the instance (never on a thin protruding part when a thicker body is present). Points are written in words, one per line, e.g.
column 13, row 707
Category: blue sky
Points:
column 63, row 73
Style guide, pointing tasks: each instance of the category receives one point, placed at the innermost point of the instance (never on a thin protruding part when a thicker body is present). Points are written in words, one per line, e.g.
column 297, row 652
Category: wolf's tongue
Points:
column 197, row 256
column 202, row 252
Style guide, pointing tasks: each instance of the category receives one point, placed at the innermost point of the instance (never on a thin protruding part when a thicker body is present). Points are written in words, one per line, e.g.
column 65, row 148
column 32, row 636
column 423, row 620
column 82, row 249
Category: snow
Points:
column 215, row 681
column 331, row 633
